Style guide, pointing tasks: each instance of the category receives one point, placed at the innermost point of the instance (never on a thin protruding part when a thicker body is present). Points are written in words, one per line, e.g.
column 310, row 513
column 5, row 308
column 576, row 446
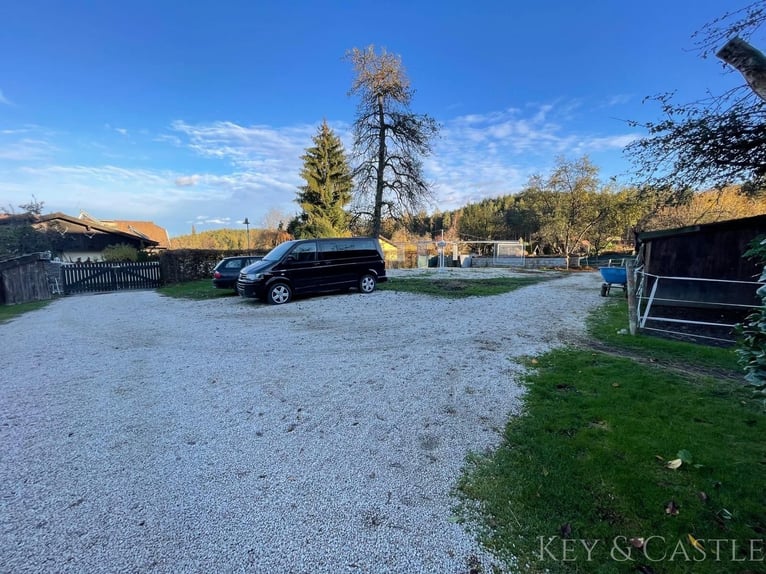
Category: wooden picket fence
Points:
column 103, row 276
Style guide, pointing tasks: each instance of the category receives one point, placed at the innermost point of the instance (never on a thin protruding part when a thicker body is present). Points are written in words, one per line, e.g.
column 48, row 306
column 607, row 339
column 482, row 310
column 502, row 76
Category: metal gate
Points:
column 102, row 276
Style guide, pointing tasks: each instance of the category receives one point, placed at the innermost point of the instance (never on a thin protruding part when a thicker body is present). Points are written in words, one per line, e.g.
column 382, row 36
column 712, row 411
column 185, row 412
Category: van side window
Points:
column 305, row 252
column 339, row 249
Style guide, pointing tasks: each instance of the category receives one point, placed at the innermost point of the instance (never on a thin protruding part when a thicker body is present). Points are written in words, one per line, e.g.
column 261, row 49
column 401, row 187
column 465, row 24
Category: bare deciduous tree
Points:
column 717, row 141
column 389, row 140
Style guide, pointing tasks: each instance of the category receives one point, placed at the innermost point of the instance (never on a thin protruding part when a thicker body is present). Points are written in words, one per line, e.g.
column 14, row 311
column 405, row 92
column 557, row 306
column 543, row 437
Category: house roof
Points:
column 144, row 229
column 87, row 225
column 755, row 221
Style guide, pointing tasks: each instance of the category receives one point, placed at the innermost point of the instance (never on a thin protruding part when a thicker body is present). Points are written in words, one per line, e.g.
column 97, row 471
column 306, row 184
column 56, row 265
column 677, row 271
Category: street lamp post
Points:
column 247, row 227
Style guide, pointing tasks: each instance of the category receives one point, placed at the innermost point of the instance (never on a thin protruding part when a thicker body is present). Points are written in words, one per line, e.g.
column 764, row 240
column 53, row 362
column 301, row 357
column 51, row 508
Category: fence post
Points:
column 631, row 286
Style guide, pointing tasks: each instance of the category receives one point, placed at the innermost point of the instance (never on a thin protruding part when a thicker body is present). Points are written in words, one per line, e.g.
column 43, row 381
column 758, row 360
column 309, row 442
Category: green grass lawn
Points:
column 588, row 462
column 612, row 318
column 451, row 288
column 8, row 312
column 200, row 289
column 456, row 288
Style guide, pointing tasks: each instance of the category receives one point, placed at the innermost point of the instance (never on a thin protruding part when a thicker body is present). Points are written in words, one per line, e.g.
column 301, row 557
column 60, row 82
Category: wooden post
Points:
column 632, row 303
column 749, row 61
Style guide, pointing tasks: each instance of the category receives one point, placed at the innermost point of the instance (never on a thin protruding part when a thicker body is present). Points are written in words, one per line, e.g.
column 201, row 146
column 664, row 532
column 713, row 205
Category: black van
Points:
column 313, row 266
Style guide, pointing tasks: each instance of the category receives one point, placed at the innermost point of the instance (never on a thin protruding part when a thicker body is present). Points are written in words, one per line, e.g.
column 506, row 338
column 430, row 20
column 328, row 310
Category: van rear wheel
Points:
column 279, row 293
column 367, row 283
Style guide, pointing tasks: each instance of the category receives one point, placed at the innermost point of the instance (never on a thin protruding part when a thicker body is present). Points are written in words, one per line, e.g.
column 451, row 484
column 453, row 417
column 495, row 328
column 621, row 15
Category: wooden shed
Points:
column 24, row 279
column 698, row 274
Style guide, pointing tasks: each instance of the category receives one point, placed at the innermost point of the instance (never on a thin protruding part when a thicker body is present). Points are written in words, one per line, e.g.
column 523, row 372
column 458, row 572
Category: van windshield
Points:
column 279, row 251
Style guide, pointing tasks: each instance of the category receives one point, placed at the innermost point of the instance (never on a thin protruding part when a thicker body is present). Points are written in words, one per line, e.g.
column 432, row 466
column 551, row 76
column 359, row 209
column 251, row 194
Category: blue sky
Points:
column 197, row 113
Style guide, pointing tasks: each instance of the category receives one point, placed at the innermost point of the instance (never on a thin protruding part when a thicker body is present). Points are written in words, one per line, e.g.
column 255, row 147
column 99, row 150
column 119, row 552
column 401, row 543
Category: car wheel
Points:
column 367, row 283
column 279, row 293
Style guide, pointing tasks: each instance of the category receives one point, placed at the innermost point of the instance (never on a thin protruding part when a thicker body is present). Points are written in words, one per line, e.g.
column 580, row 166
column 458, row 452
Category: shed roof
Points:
column 729, row 224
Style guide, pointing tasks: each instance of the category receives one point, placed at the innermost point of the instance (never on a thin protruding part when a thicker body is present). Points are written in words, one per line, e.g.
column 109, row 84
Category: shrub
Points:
column 752, row 333
column 120, row 252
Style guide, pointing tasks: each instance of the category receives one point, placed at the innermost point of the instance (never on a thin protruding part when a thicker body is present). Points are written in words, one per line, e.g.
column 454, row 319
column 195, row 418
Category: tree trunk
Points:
column 749, row 61
column 379, row 184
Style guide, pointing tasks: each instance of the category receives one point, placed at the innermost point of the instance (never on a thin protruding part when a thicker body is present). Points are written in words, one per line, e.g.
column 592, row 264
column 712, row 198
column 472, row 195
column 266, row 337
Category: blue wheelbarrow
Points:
column 613, row 276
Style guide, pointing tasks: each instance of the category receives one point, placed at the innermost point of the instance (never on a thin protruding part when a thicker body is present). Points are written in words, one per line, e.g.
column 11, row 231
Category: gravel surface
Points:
column 140, row 433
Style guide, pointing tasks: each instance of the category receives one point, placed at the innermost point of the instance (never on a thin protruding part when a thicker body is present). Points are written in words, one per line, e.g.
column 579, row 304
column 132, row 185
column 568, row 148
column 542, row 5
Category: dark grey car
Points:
column 226, row 271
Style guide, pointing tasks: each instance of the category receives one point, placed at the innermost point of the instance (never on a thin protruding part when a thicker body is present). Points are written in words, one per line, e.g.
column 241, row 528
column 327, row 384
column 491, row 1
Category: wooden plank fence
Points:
column 24, row 279
column 104, row 276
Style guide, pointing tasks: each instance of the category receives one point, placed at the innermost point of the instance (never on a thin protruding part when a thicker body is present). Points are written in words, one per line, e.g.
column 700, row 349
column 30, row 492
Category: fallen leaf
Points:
column 696, row 543
column 637, row 542
column 645, row 569
column 702, row 496
column 671, row 508
column 615, row 385
column 566, row 530
column 725, row 514
column 674, row 464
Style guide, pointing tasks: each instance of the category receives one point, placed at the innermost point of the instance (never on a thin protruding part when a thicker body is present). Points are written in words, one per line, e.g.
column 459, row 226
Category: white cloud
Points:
column 206, row 220
column 247, row 146
column 5, row 100
column 187, row 180
column 618, row 100
column 26, row 150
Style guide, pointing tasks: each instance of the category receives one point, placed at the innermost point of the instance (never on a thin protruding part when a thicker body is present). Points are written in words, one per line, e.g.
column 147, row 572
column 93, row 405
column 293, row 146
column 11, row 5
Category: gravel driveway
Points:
column 140, row 433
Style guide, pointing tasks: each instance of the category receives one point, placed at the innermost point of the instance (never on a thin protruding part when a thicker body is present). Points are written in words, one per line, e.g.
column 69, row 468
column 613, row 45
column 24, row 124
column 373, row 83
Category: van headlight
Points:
column 254, row 276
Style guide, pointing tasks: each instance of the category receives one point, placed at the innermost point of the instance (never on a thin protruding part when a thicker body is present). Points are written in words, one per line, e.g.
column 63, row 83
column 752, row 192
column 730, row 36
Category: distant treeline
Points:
column 231, row 239
column 550, row 221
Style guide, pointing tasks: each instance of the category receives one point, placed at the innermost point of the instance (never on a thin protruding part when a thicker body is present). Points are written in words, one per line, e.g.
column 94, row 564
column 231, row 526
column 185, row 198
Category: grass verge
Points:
column 456, row 288
column 606, row 325
column 8, row 312
column 201, row 289
column 582, row 482
column 450, row 288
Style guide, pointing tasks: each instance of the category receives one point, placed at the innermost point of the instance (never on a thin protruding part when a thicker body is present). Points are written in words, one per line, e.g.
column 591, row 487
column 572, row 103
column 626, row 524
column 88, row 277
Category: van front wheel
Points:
column 367, row 283
column 279, row 293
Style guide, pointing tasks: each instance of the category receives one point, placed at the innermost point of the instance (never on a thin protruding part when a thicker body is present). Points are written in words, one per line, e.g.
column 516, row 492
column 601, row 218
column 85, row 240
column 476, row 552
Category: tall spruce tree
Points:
column 327, row 190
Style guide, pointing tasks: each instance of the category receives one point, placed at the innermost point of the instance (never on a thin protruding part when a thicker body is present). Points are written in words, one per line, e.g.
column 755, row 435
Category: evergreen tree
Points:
column 327, row 190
